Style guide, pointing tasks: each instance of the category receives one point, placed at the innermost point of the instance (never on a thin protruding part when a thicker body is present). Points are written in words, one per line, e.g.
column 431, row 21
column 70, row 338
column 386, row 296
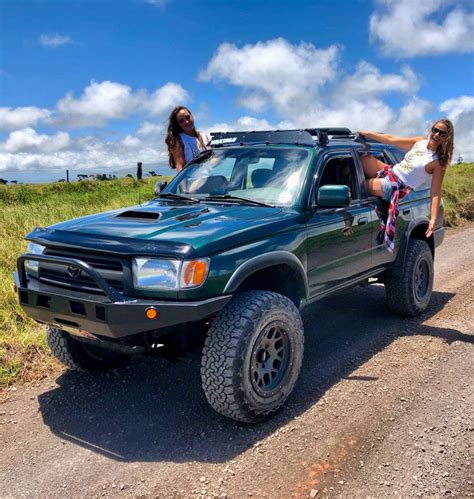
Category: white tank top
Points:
column 411, row 170
column 191, row 145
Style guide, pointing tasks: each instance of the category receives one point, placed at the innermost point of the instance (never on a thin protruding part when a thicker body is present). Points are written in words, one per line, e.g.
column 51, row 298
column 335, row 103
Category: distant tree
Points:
column 13, row 181
column 129, row 175
column 459, row 160
column 152, row 173
column 3, row 181
column 61, row 180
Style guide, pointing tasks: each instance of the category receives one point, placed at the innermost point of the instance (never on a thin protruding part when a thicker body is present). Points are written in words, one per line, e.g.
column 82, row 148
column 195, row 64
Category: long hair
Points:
column 172, row 135
column 445, row 149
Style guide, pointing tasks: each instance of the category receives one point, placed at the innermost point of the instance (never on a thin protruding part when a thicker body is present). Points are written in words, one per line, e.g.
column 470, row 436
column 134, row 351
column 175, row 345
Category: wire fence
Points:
column 8, row 177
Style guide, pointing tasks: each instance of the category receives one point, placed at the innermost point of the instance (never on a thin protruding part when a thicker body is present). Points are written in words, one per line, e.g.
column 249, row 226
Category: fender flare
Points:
column 261, row 262
column 400, row 260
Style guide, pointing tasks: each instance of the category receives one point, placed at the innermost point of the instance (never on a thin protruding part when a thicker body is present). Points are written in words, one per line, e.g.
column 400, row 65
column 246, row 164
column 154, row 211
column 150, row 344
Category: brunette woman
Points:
column 183, row 140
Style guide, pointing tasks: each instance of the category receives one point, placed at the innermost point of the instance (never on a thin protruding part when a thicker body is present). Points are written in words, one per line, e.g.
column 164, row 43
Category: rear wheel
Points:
column 80, row 356
column 410, row 293
column 252, row 355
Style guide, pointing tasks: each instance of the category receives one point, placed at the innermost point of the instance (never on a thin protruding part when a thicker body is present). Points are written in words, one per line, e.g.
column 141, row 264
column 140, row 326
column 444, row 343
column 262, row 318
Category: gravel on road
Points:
column 383, row 408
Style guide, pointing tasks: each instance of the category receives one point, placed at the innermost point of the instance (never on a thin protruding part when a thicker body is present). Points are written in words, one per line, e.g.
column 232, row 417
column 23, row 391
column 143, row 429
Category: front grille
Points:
column 111, row 268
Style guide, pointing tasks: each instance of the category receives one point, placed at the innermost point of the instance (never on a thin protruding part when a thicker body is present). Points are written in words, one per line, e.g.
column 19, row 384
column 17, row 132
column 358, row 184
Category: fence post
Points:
column 67, row 175
column 139, row 170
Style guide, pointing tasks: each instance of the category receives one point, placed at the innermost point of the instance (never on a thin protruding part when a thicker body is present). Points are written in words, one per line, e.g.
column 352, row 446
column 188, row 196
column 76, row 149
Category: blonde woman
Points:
column 425, row 161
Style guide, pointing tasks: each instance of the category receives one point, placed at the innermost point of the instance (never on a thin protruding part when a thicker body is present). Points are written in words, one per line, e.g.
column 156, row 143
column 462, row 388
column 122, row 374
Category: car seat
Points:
column 215, row 184
column 260, row 177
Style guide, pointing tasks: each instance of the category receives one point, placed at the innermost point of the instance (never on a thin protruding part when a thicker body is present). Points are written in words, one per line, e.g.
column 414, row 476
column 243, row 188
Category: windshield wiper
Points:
column 172, row 195
column 228, row 197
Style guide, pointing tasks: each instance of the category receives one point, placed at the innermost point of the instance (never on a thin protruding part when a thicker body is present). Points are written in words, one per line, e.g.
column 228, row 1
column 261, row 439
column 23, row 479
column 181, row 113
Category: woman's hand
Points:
column 430, row 228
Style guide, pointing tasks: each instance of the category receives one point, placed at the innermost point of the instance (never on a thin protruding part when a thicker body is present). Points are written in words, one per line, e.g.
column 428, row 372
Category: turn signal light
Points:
column 195, row 273
column 151, row 313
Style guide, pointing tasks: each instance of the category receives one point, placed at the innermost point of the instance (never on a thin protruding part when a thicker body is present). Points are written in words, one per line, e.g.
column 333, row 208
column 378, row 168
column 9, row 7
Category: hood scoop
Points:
column 144, row 216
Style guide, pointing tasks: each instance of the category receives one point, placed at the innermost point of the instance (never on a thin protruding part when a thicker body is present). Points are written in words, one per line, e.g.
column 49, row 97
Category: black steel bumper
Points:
column 112, row 314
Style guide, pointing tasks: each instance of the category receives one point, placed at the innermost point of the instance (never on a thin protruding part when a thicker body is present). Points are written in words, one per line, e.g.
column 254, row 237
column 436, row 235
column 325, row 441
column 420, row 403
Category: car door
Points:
column 340, row 240
column 380, row 255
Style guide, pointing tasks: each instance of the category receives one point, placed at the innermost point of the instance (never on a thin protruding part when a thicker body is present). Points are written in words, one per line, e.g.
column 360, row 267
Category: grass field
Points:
column 23, row 353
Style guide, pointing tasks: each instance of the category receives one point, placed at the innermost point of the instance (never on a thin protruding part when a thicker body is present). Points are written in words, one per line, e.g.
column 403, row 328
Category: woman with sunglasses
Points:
column 183, row 140
column 425, row 161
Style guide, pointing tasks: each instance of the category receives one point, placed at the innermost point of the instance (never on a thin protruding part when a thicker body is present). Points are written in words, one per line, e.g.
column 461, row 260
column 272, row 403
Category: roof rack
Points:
column 307, row 136
column 322, row 134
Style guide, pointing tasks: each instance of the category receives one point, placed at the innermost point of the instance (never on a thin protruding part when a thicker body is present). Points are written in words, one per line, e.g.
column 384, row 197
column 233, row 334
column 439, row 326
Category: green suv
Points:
column 226, row 256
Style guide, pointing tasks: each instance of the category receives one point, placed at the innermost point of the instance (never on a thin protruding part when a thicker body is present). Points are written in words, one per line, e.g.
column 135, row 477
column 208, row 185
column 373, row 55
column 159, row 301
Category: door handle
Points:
column 362, row 221
column 406, row 211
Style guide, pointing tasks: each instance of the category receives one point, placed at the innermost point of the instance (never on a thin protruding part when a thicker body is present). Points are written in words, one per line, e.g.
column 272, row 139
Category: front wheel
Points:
column 410, row 293
column 252, row 355
column 79, row 356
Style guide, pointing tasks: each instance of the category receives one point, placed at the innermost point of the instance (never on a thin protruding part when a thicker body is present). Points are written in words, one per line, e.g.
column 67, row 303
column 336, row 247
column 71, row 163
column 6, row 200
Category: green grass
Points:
column 24, row 355
column 458, row 194
column 23, row 351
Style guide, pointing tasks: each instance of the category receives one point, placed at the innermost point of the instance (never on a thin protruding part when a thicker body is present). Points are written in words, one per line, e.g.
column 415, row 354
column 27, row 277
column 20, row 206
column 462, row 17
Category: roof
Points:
column 309, row 137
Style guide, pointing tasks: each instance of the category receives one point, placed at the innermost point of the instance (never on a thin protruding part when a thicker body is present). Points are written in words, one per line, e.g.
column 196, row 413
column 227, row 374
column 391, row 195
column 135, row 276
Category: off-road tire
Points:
column 79, row 356
column 410, row 293
column 235, row 341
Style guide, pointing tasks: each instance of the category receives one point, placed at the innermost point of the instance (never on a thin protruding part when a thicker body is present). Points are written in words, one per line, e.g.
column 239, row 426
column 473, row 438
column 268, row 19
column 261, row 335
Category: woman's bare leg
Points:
column 371, row 166
column 374, row 186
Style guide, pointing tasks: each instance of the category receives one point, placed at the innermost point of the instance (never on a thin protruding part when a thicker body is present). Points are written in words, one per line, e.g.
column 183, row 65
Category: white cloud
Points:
column 307, row 87
column 157, row 3
column 150, row 129
column 411, row 119
column 454, row 107
column 54, row 40
column 28, row 150
column 287, row 76
column 29, row 140
column 407, row 28
column 104, row 101
column 460, row 111
column 99, row 103
column 21, row 117
column 166, row 97
column 367, row 80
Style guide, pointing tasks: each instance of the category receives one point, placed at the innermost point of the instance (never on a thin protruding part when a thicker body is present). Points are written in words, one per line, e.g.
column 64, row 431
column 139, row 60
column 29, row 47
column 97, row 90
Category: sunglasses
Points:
column 184, row 118
column 441, row 133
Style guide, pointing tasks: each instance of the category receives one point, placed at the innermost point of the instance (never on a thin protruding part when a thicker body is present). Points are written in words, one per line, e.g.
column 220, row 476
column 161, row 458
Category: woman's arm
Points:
column 436, row 182
column 385, row 138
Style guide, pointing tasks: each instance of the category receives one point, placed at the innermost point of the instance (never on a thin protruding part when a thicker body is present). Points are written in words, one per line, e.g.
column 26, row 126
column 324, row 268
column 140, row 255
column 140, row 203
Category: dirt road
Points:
column 384, row 406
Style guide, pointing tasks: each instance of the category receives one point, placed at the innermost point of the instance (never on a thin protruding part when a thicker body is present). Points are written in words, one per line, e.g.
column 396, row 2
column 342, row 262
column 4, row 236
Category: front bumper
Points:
column 112, row 314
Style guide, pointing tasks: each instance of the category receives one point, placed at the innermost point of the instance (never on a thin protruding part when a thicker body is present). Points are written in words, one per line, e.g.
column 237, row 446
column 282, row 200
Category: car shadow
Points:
column 154, row 410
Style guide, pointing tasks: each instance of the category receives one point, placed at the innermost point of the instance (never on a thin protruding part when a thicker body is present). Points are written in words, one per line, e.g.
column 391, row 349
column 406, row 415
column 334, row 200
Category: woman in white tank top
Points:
column 425, row 162
column 184, row 142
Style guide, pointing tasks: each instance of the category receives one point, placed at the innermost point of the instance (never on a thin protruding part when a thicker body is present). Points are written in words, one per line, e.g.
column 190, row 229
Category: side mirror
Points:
column 159, row 186
column 334, row 196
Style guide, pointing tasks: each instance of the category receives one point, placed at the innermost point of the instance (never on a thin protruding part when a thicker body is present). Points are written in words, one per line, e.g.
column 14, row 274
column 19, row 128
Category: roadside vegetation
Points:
column 23, row 352
column 24, row 355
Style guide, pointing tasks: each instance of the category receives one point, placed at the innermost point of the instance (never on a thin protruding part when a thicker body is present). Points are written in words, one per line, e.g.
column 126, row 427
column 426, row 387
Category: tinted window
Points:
column 340, row 171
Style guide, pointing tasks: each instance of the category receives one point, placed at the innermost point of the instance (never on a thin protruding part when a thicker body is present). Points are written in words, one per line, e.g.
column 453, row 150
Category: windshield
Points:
column 265, row 174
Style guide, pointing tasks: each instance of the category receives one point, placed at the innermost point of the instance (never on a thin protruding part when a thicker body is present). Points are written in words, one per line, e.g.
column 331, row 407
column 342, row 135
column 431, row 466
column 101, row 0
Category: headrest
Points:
column 261, row 176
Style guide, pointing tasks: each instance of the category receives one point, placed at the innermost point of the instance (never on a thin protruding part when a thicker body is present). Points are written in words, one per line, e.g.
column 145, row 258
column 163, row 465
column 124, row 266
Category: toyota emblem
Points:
column 74, row 272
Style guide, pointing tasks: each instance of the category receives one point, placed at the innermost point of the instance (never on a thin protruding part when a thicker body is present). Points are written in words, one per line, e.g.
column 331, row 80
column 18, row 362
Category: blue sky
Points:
column 90, row 83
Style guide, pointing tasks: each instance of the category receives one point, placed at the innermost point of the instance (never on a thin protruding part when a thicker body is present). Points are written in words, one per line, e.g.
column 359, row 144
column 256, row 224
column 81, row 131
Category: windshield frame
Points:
column 297, row 201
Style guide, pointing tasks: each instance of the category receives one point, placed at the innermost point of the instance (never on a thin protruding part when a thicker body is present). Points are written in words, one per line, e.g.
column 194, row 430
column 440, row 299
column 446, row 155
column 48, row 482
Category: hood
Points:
column 162, row 227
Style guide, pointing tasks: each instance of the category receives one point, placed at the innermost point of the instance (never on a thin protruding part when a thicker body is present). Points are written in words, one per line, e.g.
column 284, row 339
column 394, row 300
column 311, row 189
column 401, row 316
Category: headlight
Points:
column 32, row 266
column 151, row 273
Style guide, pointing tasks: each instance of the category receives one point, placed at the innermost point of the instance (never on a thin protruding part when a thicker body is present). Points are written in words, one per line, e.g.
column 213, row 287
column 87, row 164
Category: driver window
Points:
column 340, row 171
